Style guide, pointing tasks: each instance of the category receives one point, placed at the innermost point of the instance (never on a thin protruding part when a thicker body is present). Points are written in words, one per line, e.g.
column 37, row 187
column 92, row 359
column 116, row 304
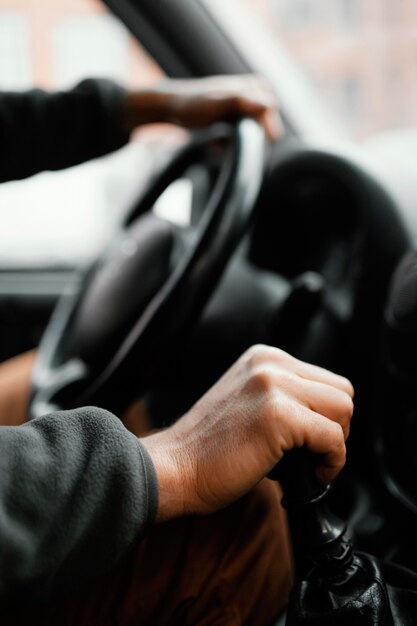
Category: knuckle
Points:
column 260, row 352
column 269, row 380
column 260, row 362
column 257, row 349
column 284, row 359
column 256, row 354
column 263, row 379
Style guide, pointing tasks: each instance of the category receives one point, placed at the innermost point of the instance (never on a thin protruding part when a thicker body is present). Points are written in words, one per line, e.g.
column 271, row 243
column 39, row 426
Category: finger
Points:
column 254, row 104
column 225, row 108
column 306, row 370
column 321, row 375
column 326, row 439
column 328, row 401
column 271, row 121
column 265, row 111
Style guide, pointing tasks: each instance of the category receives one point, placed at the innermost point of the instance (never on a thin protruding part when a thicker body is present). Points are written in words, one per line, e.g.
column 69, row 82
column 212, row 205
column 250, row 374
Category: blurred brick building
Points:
column 54, row 43
column 361, row 54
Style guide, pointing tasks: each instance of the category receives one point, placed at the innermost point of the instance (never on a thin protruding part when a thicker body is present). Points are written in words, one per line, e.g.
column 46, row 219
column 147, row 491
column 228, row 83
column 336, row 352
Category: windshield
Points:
column 359, row 57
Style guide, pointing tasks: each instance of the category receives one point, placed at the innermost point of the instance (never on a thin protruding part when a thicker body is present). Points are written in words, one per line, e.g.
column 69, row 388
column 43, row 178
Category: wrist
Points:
column 172, row 475
column 146, row 106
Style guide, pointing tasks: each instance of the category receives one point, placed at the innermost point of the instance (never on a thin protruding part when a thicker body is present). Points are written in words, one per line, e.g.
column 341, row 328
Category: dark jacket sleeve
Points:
column 50, row 131
column 76, row 491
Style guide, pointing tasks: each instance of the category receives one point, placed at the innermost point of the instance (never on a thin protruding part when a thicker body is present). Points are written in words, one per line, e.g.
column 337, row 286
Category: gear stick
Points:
column 336, row 586
column 319, row 537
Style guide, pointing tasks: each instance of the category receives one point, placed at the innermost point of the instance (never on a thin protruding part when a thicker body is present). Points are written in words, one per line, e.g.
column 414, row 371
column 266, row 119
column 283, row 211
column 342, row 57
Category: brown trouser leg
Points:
column 230, row 568
column 14, row 389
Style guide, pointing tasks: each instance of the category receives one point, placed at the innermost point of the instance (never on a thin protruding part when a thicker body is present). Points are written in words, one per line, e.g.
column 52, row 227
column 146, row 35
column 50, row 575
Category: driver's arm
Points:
column 50, row 131
column 76, row 491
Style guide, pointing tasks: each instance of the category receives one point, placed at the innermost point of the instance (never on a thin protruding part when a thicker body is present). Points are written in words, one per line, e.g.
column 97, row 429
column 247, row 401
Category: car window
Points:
column 63, row 218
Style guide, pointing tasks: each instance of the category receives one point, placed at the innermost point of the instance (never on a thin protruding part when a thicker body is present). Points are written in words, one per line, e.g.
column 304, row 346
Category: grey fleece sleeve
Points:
column 50, row 131
column 76, row 491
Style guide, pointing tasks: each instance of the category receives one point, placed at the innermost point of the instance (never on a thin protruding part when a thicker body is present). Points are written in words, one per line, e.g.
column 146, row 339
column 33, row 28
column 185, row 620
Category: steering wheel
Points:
column 109, row 333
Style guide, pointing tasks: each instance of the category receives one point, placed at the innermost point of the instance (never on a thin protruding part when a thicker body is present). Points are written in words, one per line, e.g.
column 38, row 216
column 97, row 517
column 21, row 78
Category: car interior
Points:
column 302, row 245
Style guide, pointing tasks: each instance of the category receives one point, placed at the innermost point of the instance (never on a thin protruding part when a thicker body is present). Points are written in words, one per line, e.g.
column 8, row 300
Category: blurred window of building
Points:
column 350, row 14
column 351, row 98
column 396, row 94
column 15, row 66
column 392, row 8
column 296, row 14
column 89, row 45
column 63, row 218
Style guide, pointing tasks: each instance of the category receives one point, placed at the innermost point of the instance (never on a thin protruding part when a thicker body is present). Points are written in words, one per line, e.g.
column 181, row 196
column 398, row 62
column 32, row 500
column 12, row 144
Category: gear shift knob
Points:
column 296, row 473
column 318, row 536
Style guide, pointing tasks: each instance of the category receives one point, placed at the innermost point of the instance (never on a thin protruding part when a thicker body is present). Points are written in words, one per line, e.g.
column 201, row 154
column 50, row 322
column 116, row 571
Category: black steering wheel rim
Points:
column 60, row 382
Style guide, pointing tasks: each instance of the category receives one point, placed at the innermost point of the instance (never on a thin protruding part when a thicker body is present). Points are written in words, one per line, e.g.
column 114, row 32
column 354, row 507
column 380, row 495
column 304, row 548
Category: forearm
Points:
column 50, row 131
column 146, row 106
column 77, row 491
